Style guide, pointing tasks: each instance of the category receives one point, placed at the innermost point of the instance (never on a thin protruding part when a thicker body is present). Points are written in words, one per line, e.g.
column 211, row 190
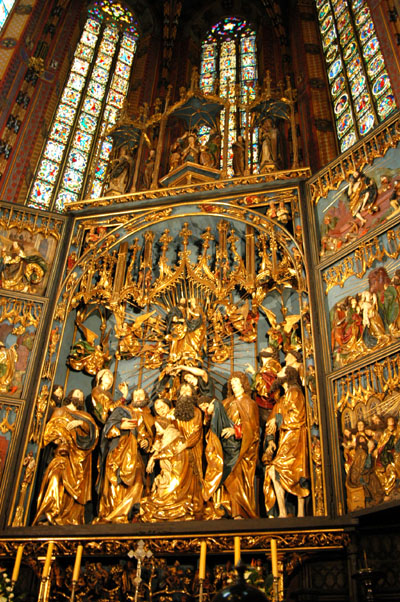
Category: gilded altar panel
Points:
column 28, row 247
column 367, row 406
column 358, row 192
column 362, row 301
column 11, row 413
column 200, row 286
column 19, row 324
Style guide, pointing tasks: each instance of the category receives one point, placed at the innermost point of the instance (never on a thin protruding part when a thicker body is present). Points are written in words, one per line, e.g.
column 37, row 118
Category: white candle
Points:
column 77, row 565
column 47, row 563
column 17, row 563
column 274, row 558
column 237, row 550
column 202, row 566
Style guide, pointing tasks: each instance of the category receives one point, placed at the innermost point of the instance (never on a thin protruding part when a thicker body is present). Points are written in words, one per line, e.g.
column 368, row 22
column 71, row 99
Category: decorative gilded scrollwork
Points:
column 275, row 176
column 168, row 545
column 364, row 257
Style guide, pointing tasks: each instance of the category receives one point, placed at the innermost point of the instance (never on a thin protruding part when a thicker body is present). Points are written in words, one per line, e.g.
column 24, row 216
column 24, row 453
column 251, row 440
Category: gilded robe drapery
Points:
column 122, row 468
column 66, row 486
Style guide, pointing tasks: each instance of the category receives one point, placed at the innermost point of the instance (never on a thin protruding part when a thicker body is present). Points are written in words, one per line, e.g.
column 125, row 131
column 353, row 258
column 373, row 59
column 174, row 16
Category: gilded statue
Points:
column 238, row 161
column 287, row 460
column 88, row 357
column 101, row 397
column 67, row 482
column 232, row 449
column 8, row 359
column 120, row 172
column 126, row 437
column 269, row 151
column 167, row 445
column 190, row 148
column 361, row 472
column 362, row 193
column 186, row 331
column 263, row 379
column 19, row 269
column 387, row 457
column 177, row 495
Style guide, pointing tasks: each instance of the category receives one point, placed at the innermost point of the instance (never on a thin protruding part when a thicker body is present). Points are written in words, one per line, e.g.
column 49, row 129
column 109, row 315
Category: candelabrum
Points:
column 368, row 577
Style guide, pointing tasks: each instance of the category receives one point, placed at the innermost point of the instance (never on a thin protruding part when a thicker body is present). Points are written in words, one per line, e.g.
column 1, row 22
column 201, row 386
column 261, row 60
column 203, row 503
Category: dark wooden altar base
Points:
column 292, row 533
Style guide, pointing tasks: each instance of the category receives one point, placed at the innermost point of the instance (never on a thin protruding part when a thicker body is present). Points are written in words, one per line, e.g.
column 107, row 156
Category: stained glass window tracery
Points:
column 229, row 56
column 360, row 87
column 90, row 104
column 6, row 7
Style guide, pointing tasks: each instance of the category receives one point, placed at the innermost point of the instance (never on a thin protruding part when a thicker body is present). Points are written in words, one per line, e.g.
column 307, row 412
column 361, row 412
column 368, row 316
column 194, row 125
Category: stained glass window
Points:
column 229, row 56
column 5, row 9
column 75, row 156
column 359, row 84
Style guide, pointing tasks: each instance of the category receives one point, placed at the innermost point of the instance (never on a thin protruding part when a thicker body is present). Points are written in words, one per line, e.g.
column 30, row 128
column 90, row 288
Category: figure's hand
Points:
column 249, row 369
column 227, row 432
column 270, row 427
column 144, row 444
column 271, row 445
column 128, row 424
column 74, row 424
column 180, row 447
column 150, row 465
column 210, row 407
column 123, row 387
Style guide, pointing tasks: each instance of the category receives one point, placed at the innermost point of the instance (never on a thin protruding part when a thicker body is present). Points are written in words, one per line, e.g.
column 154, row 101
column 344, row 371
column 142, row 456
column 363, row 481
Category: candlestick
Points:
column 201, row 590
column 77, row 565
column 274, row 558
column 275, row 589
column 17, row 563
column 202, row 566
column 237, row 550
column 47, row 563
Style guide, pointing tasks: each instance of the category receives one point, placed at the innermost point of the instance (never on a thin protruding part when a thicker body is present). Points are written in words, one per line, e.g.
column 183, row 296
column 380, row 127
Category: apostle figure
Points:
column 121, row 172
column 101, row 397
column 234, row 468
column 287, row 471
column 263, row 379
column 238, row 161
column 127, row 436
column 179, row 496
column 269, row 152
column 66, row 485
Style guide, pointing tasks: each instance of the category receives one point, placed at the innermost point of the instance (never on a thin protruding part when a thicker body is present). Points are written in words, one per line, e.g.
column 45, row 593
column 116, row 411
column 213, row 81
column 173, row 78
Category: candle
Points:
column 274, row 558
column 202, row 567
column 77, row 565
column 237, row 550
column 17, row 563
column 47, row 562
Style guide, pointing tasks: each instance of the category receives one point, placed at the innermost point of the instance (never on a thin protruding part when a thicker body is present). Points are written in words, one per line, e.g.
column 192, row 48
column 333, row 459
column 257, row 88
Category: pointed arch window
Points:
column 360, row 87
column 74, row 158
column 6, row 7
column 229, row 57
